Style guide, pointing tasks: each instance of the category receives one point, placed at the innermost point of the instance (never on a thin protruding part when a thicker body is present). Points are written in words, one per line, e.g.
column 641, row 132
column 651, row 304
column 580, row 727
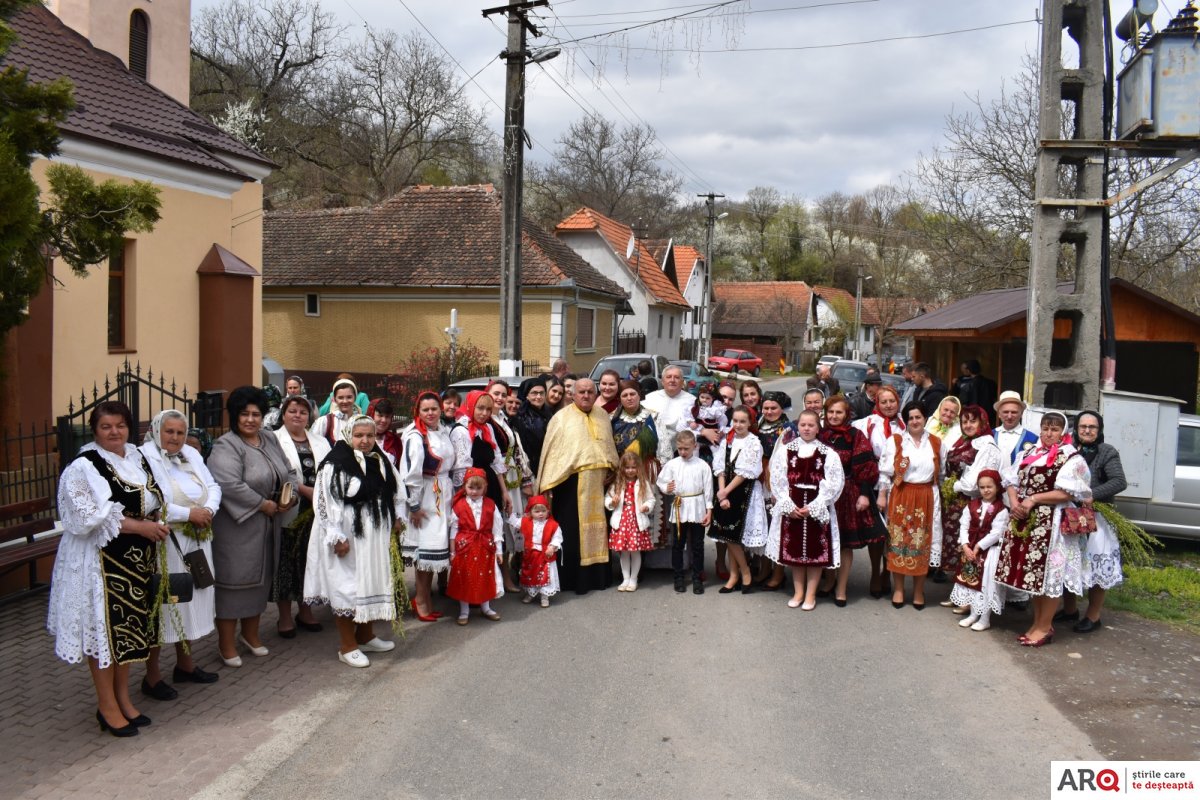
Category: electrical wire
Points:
column 881, row 40
column 747, row 12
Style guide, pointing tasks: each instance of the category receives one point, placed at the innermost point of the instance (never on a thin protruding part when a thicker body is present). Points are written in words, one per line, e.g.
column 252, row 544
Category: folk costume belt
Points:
column 678, row 511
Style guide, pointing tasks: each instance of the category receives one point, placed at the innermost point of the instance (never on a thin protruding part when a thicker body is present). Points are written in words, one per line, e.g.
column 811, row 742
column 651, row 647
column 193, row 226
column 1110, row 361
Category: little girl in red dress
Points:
column 631, row 500
column 476, row 544
column 539, row 564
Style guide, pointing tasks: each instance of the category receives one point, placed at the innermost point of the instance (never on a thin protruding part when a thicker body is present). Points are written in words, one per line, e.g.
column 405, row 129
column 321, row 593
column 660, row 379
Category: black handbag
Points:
column 179, row 584
column 197, row 564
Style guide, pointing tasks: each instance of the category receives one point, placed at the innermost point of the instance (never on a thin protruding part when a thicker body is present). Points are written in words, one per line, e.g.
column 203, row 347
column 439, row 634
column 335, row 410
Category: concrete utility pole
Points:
column 705, row 344
column 1072, row 379
column 516, row 56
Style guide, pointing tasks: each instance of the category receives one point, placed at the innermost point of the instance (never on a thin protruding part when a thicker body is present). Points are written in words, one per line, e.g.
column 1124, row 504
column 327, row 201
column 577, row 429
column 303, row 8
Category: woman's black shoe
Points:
column 197, row 675
column 897, row 605
column 840, row 603
column 159, row 691
column 311, row 627
column 918, row 606
column 140, row 721
column 876, row 594
column 1085, row 625
column 290, row 633
column 726, row 589
column 1062, row 616
column 120, row 733
column 747, row 588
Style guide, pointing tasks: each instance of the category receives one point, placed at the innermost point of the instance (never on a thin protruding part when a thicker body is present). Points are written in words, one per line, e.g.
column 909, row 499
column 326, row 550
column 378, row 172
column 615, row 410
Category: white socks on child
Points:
column 635, row 566
column 977, row 622
column 486, row 608
column 625, row 560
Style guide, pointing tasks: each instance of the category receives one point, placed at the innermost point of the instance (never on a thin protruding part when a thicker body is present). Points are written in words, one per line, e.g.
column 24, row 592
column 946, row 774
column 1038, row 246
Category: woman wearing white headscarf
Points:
column 192, row 497
column 358, row 500
column 345, row 398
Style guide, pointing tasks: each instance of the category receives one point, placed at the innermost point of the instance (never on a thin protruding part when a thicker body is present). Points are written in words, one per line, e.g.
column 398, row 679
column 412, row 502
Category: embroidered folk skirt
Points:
column 474, row 574
column 126, row 563
column 910, row 522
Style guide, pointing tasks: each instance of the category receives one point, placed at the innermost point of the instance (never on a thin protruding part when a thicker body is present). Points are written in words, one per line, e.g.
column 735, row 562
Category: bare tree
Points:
column 617, row 172
column 977, row 191
column 762, row 206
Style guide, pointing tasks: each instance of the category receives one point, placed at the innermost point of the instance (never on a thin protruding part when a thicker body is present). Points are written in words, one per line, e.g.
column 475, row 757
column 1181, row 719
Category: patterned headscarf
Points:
column 205, row 439
column 274, row 396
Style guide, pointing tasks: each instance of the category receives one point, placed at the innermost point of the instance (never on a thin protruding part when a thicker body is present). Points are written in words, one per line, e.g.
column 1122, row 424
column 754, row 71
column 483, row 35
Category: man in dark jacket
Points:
column 828, row 385
column 862, row 402
column 929, row 393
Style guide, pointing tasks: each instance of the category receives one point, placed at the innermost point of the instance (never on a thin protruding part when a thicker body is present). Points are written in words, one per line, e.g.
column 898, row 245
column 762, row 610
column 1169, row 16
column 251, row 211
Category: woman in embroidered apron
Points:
column 425, row 469
column 100, row 598
column 304, row 451
column 739, row 512
column 774, row 426
column 358, row 500
column 908, row 471
column 806, row 481
column 879, row 426
column 250, row 466
column 476, row 445
column 191, row 496
column 517, row 479
column 1036, row 556
column 856, row 524
column 962, row 460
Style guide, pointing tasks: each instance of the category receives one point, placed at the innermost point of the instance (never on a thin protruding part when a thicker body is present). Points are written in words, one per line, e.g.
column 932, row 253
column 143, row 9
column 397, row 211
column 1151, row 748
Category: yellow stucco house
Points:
column 359, row 289
column 185, row 299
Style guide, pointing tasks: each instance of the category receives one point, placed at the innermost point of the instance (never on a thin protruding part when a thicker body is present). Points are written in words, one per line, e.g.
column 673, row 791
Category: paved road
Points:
column 654, row 694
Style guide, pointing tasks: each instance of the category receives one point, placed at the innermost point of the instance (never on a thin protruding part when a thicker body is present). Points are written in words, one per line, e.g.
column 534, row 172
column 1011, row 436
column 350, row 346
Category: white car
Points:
column 1180, row 518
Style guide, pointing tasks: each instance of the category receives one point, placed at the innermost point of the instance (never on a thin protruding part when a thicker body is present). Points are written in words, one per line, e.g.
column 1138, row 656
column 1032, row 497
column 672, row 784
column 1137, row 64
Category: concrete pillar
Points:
column 1069, row 174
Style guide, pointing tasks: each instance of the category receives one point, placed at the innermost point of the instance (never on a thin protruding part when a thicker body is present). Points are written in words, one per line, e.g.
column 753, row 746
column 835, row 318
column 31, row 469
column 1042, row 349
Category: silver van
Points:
column 1179, row 518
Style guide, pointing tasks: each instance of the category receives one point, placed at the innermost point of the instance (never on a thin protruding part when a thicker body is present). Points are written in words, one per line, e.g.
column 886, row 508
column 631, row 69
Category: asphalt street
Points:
column 655, row 694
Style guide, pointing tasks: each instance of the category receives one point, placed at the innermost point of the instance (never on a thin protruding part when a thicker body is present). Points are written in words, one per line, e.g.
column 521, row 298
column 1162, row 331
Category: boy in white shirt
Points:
column 689, row 480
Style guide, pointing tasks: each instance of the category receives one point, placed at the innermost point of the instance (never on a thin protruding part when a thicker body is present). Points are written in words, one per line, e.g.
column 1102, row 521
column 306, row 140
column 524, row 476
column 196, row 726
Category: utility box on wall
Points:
column 1158, row 92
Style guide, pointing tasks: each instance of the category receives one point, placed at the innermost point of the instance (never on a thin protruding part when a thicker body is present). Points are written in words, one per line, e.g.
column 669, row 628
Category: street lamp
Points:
column 858, row 312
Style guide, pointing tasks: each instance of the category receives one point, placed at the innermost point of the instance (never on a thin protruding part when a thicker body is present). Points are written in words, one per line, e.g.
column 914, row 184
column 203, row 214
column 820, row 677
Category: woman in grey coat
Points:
column 251, row 468
column 1102, row 556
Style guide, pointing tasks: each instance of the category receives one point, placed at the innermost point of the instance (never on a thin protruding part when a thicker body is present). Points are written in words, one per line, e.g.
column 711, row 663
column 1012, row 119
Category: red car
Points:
column 736, row 361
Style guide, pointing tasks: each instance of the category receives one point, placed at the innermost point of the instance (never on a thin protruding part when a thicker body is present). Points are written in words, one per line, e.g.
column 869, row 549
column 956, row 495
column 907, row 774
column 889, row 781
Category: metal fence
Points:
column 632, row 342
column 29, row 463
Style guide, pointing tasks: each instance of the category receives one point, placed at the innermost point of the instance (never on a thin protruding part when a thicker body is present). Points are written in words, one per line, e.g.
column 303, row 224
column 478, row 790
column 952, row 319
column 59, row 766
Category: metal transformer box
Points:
column 1158, row 92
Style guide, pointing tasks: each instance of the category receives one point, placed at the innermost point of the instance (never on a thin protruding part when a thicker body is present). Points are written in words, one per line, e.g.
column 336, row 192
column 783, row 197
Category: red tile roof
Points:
column 687, row 259
column 113, row 106
column 424, row 236
column 832, row 294
column 641, row 263
column 751, row 308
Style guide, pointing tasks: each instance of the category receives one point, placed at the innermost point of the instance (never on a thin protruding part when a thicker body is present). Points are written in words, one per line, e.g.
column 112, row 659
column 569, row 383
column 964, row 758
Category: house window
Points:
column 312, row 305
column 660, row 322
column 585, row 339
column 139, row 43
column 118, row 292
column 671, row 334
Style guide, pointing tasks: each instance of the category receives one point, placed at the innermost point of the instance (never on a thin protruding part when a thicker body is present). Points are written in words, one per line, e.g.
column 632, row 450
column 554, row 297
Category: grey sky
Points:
column 807, row 122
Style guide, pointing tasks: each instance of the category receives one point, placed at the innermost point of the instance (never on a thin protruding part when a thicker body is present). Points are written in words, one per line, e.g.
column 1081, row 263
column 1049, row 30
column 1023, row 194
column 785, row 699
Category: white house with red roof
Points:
column 658, row 306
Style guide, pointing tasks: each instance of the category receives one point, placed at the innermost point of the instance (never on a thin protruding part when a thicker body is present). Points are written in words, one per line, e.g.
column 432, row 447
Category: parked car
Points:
column 828, row 359
column 849, row 374
column 626, row 361
column 694, row 374
column 736, row 361
column 1179, row 518
column 471, row 384
column 895, row 381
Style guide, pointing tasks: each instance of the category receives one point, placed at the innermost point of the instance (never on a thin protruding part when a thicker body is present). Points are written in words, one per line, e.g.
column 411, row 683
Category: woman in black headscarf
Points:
column 532, row 417
column 1102, row 556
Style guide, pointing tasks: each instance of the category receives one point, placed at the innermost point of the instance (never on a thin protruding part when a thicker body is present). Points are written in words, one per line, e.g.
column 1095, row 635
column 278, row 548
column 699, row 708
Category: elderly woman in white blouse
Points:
column 192, row 497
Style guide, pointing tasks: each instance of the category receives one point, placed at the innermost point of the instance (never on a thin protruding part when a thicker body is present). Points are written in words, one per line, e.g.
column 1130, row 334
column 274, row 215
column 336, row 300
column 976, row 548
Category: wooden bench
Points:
column 19, row 542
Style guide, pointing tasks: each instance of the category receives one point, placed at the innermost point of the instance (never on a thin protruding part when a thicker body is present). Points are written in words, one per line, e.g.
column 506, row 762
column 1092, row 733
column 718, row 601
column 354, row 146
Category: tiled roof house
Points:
column 397, row 268
column 654, row 296
column 183, row 299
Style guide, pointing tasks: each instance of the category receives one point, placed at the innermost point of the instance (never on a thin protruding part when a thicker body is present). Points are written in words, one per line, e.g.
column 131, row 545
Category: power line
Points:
column 564, row 42
column 747, row 12
column 633, row 27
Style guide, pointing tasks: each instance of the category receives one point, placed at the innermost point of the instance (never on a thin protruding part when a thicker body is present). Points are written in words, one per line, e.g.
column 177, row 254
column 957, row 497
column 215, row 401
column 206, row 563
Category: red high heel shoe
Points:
column 431, row 617
column 1045, row 640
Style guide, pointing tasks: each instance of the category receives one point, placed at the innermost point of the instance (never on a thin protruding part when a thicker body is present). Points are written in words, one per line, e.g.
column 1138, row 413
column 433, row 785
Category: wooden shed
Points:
column 1158, row 343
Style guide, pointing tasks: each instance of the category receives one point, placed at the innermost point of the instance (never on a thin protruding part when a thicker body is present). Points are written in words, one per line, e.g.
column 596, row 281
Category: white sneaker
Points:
column 377, row 645
column 545, row 601
column 968, row 621
column 354, row 658
column 982, row 625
